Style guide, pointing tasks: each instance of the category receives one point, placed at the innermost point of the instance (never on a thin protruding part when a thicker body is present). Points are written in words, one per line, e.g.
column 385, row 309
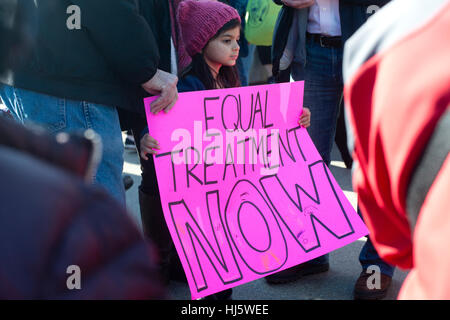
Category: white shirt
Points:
column 324, row 18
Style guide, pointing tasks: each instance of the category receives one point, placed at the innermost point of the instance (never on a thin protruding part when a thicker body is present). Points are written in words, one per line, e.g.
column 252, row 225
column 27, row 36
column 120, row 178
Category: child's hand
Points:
column 305, row 118
column 147, row 146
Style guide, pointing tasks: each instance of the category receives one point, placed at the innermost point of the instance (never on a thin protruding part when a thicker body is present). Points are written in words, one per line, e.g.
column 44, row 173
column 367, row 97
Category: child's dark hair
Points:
column 228, row 76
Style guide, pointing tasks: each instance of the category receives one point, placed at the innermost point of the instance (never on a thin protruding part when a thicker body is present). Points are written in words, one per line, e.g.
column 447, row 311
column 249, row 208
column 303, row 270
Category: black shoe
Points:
column 297, row 272
column 348, row 160
column 127, row 182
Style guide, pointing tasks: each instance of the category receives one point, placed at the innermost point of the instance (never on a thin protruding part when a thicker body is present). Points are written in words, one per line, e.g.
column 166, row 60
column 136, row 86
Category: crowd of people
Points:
column 385, row 78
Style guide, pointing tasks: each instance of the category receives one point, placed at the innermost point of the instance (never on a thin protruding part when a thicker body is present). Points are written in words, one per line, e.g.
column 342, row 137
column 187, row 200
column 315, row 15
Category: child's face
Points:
column 223, row 50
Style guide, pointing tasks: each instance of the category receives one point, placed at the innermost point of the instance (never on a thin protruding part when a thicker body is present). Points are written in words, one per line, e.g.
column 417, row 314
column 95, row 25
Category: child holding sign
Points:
column 214, row 50
column 210, row 31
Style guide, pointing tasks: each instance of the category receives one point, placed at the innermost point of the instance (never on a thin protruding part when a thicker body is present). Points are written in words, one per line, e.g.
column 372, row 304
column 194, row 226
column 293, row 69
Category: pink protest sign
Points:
column 244, row 191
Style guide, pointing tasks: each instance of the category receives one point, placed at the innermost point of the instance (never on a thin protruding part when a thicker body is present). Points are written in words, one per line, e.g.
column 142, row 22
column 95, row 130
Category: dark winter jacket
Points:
column 157, row 15
column 16, row 40
column 112, row 53
column 51, row 220
column 190, row 83
column 353, row 13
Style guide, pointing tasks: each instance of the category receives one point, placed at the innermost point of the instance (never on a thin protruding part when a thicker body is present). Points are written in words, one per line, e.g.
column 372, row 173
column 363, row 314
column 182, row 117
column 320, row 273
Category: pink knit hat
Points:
column 200, row 20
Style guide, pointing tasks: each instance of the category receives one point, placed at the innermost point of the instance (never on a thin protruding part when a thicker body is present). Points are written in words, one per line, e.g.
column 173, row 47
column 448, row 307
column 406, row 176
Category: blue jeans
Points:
column 369, row 256
column 323, row 90
column 244, row 64
column 58, row 115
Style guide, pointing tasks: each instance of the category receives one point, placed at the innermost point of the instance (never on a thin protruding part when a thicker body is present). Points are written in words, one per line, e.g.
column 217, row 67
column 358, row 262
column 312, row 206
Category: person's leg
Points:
column 153, row 222
column 341, row 137
column 379, row 283
column 62, row 115
column 104, row 120
column 369, row 257
column 323, row 89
